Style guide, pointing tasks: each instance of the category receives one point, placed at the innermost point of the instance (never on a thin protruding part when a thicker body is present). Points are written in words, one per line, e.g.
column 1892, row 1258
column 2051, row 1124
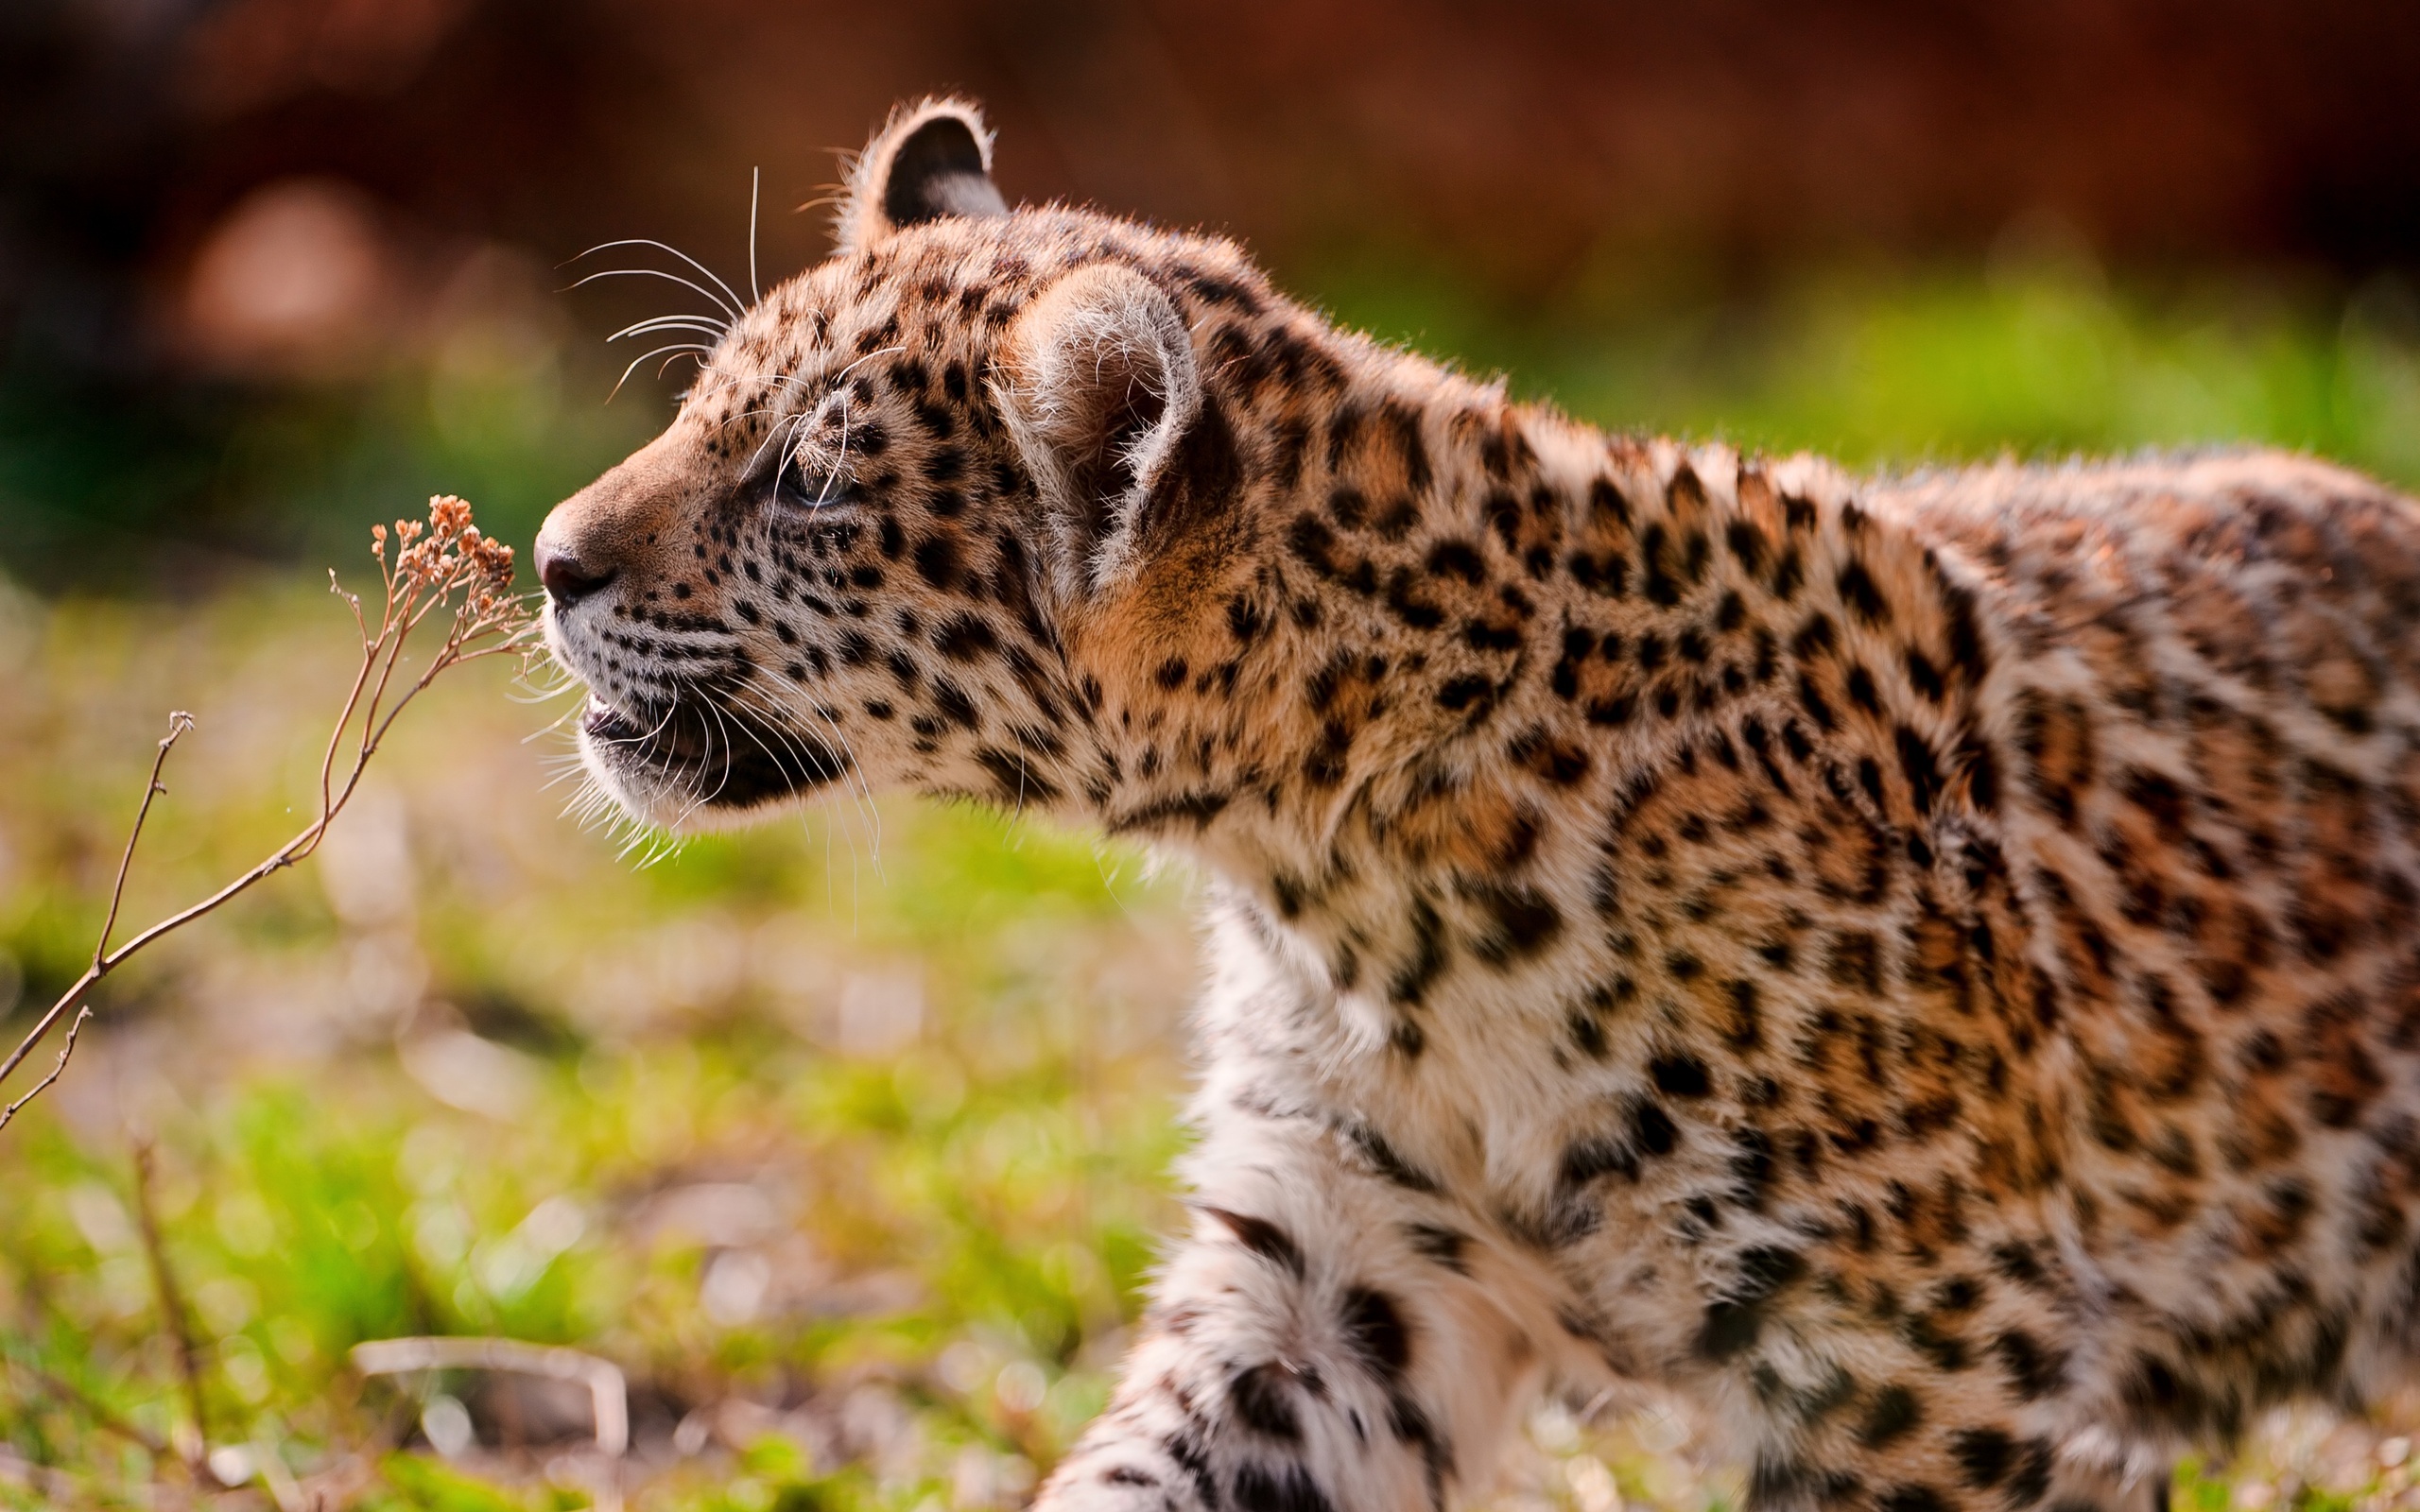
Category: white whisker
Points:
column 697, row 323
column 677, row 350
column 734, row 304
column 853, row 773
column 732, row 315
column 553, row 725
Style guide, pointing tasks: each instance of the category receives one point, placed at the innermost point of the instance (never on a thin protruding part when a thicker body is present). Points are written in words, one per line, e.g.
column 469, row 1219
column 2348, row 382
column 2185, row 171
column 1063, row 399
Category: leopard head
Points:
column 923, row 501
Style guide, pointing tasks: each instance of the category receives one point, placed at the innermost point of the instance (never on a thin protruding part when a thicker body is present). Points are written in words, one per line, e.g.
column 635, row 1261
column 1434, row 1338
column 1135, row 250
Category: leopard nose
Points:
column 567, row 578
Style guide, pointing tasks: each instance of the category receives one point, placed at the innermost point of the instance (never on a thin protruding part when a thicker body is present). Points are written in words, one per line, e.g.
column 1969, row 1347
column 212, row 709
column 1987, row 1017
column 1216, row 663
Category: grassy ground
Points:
column 845, row 1140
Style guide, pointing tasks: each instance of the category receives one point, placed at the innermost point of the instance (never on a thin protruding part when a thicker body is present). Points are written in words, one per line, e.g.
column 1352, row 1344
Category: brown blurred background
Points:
column 226, row 226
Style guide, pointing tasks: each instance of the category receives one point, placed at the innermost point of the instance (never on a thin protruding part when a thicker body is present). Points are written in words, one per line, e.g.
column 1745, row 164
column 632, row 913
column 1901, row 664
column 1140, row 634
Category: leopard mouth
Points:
column 685, row 755
column 605, row 722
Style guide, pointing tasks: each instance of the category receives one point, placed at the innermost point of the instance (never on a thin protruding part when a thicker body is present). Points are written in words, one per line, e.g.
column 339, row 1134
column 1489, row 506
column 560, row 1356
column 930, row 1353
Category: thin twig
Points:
column 66, row 1047
column 441, row 562
column 607, row 1391
column 608, row 1400
column 172, row 1314
column 179, row 722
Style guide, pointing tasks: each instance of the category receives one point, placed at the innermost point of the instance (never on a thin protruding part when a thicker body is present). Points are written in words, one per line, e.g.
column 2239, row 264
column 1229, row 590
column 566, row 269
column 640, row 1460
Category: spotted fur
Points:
column 1927, row 967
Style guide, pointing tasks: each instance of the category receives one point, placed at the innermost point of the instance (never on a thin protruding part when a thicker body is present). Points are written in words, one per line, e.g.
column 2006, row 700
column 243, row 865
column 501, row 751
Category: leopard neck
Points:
column 1461, row 624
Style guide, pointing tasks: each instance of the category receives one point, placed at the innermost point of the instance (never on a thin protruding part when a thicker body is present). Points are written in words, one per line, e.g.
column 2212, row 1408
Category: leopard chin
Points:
column 689, row 765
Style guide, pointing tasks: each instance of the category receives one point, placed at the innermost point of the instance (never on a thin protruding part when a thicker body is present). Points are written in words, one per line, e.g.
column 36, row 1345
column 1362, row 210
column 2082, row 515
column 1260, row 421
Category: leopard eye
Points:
column 807, row 491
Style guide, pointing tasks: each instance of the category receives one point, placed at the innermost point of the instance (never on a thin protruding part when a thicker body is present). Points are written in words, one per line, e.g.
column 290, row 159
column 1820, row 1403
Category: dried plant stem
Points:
column 609, row 1393
column 608, row 1396
column 441, row 564
column 178, row 723
column 194, row 1446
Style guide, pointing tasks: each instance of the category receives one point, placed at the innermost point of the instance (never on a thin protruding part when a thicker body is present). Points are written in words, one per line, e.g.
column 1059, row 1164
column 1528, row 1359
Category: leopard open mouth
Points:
column 689, row 754
column 605, row 722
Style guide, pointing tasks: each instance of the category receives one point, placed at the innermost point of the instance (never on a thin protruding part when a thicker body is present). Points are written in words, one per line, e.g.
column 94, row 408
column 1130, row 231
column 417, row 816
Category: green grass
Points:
column 2041, row 358
column 849, row 1149
column 938, row 1069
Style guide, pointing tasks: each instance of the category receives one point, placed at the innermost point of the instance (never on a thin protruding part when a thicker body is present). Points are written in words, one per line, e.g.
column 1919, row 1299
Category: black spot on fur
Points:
column 1860, row 686
column 1196, row 809
column 1409, row 1422
column 1440, row 1244
column 1859, row 592
column 1966, row 638
column 1244, row 620
column 1313, row 541
column 1405, row 603
column 1264, row 1402
column 1262, row 1238
column 1679, row 1075
column 1790, row 573
column 1924, row 676
column 1894, row 1413
column 1387, row 1160
column 1430, row 953
column 1189, row 1448
column 1733, row 1323
column 2033, row 1369
column 937, row 562
column 1652, row 1129
column 964, row 637
column 1747, row 544
column 1457, row 558
column 954, row 705
column 1606, row 500
column 1587, row 1036
column 1922, row 770
column 1404, row 422
column 1912, row 1499
column 1013, row 779
column 1463, row 692
column 1585, row 1160
column 1657, row 581
column 1521, row 922
column 1480, row 635
column 1374, row 1329
column 1287, row 1488
column 2031, row 1481
column 1983, row 1455
column 1746, row 1029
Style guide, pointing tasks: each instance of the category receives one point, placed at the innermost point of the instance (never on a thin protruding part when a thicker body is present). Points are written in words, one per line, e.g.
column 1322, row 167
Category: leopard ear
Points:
column 930, row 160
column 1103, row 397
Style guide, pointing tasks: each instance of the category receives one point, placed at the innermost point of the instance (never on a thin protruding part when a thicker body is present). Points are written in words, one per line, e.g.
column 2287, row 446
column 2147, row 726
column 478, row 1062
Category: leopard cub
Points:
column 1927, row 967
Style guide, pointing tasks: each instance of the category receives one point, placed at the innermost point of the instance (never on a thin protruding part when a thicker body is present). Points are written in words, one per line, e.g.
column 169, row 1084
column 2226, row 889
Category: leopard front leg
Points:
column 1325, row 1340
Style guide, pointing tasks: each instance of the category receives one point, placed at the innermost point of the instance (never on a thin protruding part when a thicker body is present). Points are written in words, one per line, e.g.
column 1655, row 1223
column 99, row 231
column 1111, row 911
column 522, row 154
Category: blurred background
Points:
column 267, row 263
column 846, row 1139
